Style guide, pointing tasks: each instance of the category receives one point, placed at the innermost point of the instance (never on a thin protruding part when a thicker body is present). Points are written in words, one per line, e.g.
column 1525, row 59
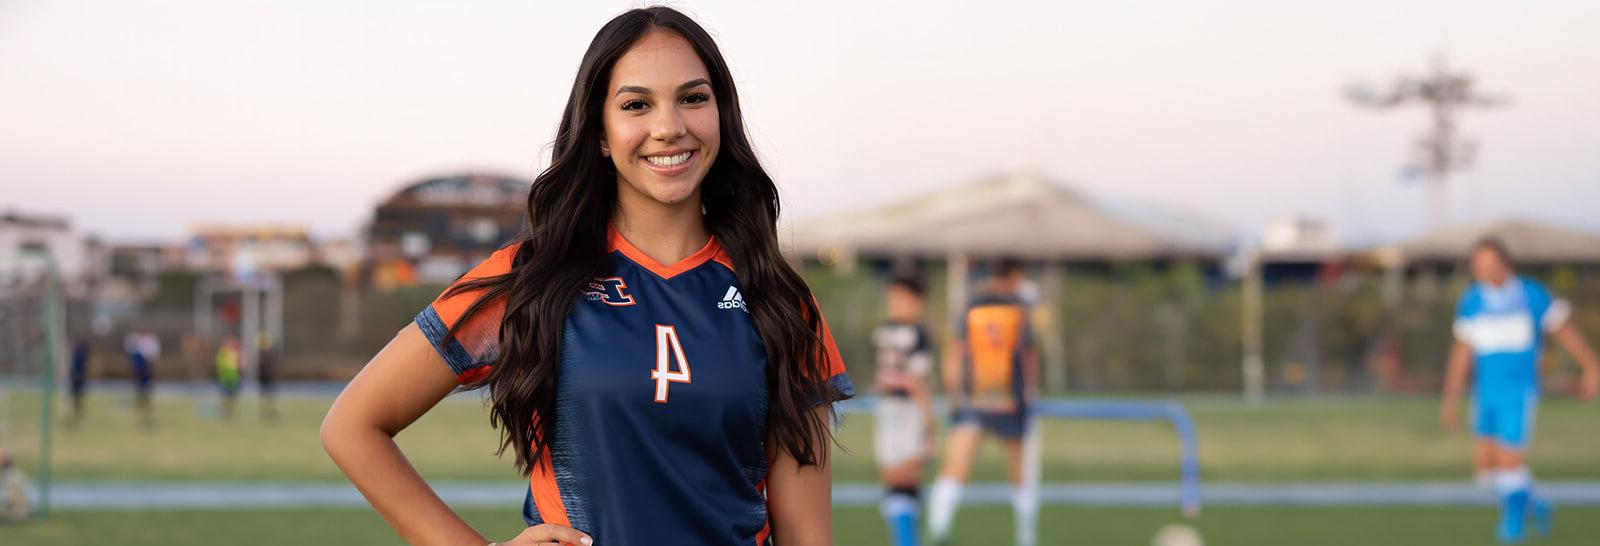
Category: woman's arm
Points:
column 800, row 500
column 404, row 381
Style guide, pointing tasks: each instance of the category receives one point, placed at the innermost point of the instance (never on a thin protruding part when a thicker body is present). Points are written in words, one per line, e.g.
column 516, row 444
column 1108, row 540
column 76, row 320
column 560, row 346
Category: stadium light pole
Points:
column 1441, row 151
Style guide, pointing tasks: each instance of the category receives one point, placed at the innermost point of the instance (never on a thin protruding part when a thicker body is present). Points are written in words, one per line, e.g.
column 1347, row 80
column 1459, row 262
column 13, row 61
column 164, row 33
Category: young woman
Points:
column 662, row 375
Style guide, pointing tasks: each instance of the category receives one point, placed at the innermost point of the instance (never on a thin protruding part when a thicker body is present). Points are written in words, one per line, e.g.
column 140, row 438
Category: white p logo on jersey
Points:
column 732, row 300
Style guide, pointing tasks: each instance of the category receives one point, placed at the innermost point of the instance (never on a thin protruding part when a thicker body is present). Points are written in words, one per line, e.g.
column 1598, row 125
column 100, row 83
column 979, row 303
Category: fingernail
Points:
column 586, row 541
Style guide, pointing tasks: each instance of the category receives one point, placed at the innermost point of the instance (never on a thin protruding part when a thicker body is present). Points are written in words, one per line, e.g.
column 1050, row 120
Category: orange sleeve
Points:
column 475, row 344
column 838, row 379
column 831, row 350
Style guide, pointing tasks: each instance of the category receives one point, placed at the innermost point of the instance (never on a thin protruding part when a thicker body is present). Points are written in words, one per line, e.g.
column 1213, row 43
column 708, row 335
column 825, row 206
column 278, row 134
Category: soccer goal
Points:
column 32, row 346
column 1168, row 411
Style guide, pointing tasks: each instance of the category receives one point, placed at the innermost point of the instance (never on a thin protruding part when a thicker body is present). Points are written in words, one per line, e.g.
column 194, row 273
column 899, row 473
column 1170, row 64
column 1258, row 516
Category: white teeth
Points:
column 667, row 161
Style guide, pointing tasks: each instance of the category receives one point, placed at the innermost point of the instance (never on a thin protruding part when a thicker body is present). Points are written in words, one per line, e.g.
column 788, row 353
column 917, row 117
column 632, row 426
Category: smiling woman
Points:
column 642, row 409
column 661, row 121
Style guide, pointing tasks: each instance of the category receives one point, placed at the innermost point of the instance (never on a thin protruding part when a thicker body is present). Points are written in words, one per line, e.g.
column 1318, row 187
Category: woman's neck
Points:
column 667, row 233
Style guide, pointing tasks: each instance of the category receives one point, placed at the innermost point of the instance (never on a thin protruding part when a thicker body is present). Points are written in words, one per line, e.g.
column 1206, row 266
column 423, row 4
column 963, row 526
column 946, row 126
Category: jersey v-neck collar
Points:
column 709, row 252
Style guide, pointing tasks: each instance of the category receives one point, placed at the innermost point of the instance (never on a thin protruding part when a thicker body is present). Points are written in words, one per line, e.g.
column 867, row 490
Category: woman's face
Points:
column 661, row 124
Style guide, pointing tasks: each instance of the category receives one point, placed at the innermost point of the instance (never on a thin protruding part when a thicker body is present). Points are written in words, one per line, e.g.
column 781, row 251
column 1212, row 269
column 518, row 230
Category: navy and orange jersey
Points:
column 997, row 337
column 661, row 400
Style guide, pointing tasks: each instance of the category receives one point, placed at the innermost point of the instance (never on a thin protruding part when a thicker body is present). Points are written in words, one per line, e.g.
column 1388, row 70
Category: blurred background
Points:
column 212, row 215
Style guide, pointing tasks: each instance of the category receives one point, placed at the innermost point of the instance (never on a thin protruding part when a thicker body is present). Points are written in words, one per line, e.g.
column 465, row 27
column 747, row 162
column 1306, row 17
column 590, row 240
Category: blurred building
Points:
column 29, row 245
column 1530, row 243
column 240, row 248
column 956, row 233
column 1019, row 216
column 340, row 254
column 1299, row 235
column 434, row 229
column 1300, row 249
column 25, row 238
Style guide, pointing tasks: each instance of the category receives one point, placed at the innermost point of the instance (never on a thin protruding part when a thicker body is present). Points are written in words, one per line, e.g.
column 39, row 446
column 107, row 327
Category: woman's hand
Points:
column 547, row 534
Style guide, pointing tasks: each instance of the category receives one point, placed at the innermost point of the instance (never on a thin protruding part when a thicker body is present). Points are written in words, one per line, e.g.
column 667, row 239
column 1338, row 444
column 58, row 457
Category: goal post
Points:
column 1115, row 410
column 32, row 353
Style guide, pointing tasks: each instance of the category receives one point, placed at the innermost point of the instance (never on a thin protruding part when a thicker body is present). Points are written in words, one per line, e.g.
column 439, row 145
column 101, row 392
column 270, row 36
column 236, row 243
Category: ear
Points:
column 605, row 147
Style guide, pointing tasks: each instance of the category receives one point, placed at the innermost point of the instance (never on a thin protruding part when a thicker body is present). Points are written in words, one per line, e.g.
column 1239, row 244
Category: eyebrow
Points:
column 646, row 91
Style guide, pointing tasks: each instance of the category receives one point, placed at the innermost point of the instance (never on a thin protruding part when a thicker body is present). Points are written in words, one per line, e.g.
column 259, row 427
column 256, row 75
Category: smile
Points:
column 668, row 160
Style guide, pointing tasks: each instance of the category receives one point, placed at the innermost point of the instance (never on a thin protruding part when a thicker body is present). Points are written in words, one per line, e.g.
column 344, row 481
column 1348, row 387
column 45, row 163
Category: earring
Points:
column 605, row 150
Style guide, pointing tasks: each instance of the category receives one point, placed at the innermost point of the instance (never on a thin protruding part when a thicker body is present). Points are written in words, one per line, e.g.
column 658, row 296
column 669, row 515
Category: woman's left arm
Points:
column 800, row 500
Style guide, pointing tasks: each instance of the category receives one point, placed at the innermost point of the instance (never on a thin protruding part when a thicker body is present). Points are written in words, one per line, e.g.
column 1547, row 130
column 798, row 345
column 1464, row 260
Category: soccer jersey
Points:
column 903, row 348
column 901, row 430
column 1504, row 325
column 661, row 400
column 998, row 337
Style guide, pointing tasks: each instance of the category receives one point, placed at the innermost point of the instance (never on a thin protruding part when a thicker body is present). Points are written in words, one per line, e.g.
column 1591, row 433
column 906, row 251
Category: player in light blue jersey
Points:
column 1499, row 329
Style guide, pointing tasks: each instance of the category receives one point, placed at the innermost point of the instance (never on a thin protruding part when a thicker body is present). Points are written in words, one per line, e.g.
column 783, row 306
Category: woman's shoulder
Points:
column 498, row 263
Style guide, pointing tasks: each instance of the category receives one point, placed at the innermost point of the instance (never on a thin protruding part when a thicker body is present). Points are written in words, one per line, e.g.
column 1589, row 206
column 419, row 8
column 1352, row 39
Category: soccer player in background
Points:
column 903, row 435
column 14, row 490
column 267, row 375
column 991, row 375
column 143, row 348
column 659, row 371
column 78, row 378
column 228, row 374
column 1499, row 328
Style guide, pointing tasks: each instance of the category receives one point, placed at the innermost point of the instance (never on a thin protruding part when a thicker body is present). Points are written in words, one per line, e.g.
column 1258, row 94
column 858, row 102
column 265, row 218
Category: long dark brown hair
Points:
column 565, row 246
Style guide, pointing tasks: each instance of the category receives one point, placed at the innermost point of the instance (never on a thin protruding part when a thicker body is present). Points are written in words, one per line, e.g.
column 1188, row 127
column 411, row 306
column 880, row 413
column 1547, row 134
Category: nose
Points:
column 667, row 126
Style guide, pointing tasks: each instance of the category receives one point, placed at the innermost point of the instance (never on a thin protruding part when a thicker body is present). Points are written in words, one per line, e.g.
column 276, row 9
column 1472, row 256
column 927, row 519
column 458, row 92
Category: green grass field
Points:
column 974, row 526
column 1300, row 440
column 1328, row 439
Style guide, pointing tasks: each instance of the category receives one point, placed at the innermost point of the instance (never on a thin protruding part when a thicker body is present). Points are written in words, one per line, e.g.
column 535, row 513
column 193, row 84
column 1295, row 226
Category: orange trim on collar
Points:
column 723, row 258
column 706, row 253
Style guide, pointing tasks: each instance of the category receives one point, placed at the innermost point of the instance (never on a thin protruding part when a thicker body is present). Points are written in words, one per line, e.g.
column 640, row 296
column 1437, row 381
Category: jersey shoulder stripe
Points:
column 475, row 343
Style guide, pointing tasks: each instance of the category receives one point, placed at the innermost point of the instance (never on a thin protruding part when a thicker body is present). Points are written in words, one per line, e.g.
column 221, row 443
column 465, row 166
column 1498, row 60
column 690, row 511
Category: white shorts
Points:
column 901, row 431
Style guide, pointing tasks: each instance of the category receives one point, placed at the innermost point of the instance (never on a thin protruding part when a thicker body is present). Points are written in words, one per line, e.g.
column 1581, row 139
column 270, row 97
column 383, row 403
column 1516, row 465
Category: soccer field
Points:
column 1279, row 441
column 987, row 526
column 1298, row 440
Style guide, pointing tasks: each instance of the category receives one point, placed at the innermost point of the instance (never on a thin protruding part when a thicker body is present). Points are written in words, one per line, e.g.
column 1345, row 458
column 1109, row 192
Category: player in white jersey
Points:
column 903, row 437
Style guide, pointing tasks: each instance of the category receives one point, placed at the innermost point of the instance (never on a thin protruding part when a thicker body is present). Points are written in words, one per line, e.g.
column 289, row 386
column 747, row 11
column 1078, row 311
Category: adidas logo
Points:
column 732, row 300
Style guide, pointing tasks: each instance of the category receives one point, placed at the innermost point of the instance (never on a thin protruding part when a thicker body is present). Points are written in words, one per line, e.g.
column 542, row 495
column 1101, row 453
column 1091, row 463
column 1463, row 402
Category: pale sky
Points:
column 138, row 119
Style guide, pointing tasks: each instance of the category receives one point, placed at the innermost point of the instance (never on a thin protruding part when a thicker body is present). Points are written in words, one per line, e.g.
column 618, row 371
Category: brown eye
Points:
column 696, row 98
column 635, row 104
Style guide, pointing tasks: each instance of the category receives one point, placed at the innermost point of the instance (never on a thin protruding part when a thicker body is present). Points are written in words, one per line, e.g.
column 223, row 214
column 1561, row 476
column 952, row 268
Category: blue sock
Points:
column 1513, row 486
column 899, row 510
column 1513, row 510
column 1542, row 513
